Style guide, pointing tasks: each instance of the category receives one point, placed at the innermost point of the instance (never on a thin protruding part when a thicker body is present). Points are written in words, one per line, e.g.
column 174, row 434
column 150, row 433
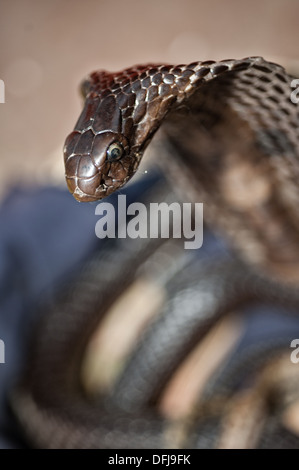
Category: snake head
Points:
column 122, row 112
column 97, row 154
column 97, row 164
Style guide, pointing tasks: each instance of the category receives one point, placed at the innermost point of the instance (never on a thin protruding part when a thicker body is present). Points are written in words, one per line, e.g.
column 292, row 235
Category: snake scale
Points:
column 228, row 136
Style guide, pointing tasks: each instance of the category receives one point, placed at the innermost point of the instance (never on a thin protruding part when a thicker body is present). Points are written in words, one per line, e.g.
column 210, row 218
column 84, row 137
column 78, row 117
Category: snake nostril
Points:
column 86, row 168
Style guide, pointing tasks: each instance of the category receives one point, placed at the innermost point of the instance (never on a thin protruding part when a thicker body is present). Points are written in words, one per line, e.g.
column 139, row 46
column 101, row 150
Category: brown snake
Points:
column 229, row 135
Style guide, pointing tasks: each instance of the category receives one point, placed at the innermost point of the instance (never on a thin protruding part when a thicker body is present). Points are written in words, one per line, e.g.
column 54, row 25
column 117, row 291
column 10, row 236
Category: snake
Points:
column 226, row 134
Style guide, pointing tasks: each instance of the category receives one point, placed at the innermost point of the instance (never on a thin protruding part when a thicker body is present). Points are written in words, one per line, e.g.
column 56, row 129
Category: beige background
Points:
column 48, row 46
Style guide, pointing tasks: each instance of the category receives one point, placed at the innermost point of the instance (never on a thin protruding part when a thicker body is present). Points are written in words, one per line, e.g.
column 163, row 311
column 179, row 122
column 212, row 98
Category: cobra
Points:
column 228, row 138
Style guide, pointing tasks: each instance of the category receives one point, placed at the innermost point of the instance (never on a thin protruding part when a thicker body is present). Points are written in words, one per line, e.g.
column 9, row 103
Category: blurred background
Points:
column 47, row 47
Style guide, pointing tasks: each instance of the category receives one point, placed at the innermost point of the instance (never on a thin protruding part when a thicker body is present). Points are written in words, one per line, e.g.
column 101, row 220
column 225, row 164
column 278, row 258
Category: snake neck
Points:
column 231, row 153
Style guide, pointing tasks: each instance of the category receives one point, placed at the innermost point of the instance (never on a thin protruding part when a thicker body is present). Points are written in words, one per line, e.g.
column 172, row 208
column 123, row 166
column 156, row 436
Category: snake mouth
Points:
column 94, row 188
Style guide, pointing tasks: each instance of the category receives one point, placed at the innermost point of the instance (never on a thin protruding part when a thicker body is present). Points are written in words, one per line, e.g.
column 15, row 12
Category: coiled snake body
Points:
column 228, row 132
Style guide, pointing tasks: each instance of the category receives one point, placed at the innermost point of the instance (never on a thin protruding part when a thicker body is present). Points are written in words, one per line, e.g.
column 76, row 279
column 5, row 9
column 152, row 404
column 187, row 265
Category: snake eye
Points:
column 115, row 151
